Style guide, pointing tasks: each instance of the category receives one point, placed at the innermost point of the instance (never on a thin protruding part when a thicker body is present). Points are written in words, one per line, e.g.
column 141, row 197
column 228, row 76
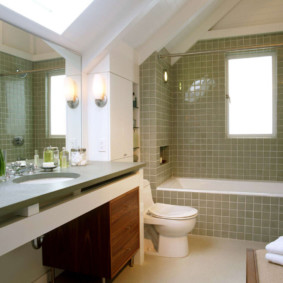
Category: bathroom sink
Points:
column 46, row 178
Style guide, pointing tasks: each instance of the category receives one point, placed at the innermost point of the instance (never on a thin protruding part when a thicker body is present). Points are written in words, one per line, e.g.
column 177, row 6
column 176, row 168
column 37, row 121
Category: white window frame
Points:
column 274, row 93
column 48, row 103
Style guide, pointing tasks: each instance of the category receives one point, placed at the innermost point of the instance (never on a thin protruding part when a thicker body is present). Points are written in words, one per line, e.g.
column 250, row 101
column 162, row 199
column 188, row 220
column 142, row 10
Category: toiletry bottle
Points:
column 134, row 101
column 64, row 158
column 36, row 159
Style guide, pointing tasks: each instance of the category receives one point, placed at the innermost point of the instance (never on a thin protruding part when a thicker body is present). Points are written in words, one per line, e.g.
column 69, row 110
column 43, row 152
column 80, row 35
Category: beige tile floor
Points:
column 211, row 260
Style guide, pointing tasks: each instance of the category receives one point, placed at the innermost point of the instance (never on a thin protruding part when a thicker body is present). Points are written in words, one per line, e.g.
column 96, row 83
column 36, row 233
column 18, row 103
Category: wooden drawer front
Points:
column 122, row 253
column 122, row 236
column 124, row 209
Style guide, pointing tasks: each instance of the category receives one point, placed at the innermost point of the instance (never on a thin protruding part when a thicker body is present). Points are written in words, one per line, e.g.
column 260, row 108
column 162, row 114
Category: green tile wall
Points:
column 201, row 148
column 156, row 118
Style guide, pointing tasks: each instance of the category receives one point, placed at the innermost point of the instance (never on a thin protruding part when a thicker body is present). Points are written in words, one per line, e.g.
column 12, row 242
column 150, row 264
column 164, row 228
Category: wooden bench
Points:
column 259, row 270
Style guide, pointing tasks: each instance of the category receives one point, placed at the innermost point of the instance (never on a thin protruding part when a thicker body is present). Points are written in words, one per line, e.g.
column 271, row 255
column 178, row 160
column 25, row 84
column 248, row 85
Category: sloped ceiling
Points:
column 150, row 25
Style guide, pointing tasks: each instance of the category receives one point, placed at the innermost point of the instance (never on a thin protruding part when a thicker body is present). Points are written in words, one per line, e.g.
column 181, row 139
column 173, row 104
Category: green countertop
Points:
column 14, row 197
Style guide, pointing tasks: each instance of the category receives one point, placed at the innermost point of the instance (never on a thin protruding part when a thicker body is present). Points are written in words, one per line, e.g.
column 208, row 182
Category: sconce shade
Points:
column 99, row 90
column 165, row 76
column 71, row 93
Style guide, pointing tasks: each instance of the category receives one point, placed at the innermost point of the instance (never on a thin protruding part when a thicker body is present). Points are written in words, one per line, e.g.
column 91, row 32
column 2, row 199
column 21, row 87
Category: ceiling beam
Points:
column 95, row 52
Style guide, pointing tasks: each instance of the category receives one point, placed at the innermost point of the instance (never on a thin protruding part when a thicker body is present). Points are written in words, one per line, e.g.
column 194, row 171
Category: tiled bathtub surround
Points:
column 241, row 217
column 201, row 148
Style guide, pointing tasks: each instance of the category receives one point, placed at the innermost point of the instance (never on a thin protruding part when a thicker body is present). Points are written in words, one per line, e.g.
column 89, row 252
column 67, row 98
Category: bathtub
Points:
column 232, row 187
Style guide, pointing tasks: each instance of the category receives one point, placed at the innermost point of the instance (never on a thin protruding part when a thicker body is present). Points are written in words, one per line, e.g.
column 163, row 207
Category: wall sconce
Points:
column 99, row 91
column 165, row 76
column 71, row 92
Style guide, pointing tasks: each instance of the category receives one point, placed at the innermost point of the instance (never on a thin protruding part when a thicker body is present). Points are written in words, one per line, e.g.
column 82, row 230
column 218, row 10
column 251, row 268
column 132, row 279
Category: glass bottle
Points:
column 36, row 159
column 64, row 158
column 56, row 157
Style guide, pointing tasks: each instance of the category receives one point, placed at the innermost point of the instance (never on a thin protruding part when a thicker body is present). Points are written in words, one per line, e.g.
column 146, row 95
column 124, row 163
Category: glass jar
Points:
column 48, row 154
column 78, row 157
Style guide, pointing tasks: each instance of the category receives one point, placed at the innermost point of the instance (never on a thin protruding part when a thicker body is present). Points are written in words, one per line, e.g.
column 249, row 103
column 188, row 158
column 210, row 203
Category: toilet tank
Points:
column 147, row 195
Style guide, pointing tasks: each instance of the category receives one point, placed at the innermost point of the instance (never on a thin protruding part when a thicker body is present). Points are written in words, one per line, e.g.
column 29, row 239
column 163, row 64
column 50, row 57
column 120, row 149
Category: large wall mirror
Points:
column 33, row 109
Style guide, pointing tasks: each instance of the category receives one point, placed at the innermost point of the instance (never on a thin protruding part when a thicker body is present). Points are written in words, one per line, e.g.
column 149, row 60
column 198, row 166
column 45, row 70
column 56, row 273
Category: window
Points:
column 54, row 15
column 251, row 95
column 57, row 106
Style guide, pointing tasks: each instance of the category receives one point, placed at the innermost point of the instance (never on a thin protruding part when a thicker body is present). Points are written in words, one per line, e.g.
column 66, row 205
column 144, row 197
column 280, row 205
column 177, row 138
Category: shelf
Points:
column 136, row 127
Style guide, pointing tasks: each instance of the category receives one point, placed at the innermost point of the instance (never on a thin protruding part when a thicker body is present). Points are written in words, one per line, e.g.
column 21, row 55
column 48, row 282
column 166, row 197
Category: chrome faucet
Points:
column 17, row 169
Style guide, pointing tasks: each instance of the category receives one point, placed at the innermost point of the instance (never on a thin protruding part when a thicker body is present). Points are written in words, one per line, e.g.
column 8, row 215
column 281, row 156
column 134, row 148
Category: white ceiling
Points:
column 150, row 25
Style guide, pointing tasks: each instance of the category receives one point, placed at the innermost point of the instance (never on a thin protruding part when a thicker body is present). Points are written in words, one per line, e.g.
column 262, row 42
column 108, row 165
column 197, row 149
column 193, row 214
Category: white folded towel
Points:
column 275, row 258
column 275, row 247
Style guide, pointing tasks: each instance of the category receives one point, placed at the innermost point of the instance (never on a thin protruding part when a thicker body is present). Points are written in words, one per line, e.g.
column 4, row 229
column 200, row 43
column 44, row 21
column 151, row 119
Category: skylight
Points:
column 56, row 15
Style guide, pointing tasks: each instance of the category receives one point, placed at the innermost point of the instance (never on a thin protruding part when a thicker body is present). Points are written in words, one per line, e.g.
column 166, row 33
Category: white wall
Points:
column 120, row 69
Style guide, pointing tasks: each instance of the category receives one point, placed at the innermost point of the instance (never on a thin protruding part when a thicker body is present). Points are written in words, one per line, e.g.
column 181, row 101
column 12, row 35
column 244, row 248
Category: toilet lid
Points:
column 168, row 211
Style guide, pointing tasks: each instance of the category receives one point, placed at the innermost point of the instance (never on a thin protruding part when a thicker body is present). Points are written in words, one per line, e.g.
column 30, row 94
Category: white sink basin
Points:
column 46, row 178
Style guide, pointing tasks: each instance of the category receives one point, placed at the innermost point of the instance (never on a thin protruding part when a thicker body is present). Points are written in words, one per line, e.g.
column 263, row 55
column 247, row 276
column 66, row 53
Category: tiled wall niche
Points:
column 240, row 217
column 23, row 106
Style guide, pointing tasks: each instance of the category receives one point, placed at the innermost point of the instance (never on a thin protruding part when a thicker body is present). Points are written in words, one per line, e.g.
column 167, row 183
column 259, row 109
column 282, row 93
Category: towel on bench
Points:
column 275, row 258
column 275, row 247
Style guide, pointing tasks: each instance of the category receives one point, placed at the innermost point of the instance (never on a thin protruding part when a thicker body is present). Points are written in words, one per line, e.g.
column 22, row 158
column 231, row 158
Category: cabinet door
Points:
column 121, row 116
column 81, row 245
column 124, row 234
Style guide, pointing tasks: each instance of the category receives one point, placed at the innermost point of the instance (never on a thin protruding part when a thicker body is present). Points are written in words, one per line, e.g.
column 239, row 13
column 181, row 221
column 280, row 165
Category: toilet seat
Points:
column 174, row 212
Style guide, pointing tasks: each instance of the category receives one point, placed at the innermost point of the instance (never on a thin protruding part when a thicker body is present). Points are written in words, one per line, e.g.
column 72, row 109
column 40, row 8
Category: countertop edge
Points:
column 11, row 208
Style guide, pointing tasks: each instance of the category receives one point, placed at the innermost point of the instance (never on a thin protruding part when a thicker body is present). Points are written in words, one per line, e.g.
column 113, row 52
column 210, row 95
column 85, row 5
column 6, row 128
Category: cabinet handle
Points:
column 125, row 154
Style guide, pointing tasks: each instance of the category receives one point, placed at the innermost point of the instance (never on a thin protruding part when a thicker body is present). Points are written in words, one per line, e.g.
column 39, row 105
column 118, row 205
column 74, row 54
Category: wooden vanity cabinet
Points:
column 99, row 242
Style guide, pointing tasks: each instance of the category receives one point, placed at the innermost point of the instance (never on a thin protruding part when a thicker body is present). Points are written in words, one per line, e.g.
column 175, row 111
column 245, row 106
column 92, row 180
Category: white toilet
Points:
column 172, row 222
